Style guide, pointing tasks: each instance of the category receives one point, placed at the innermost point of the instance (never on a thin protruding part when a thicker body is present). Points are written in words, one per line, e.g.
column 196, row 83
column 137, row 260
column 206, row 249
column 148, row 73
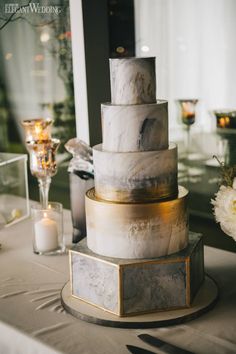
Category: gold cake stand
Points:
column 204, row 301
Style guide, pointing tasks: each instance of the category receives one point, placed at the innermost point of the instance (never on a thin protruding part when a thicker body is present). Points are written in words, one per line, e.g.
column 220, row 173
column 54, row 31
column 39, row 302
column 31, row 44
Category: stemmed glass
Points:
column 226, row 130
column 43, row 165
column 188, row 115
column 42, row 150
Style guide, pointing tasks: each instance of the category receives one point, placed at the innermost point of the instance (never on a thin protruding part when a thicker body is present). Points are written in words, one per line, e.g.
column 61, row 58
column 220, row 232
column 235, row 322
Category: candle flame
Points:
column 224, row 122
column 38, row 129
column 44, row 215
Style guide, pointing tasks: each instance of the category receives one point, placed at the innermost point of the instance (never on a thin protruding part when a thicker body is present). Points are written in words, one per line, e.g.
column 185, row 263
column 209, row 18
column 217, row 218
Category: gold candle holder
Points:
column 43, row 164
column 37, row 129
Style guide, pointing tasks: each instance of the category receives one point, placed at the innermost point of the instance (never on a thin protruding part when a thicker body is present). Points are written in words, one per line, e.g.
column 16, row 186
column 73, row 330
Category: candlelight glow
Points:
column 224, row 122
column 44, row 37
column 188, row 108
column 37, row 129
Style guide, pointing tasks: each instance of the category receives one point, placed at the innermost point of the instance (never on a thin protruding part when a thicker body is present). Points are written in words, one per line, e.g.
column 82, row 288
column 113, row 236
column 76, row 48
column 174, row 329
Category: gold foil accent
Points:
column 138, row 221
column 182, row 193
column 70, row 271
column 120, row 291
column 138, row 195
column 146, row 186
column 188, row 296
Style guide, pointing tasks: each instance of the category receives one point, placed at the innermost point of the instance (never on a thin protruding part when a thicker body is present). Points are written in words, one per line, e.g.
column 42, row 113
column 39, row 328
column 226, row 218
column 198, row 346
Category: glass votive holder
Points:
column 37, row 129
column 48, row 238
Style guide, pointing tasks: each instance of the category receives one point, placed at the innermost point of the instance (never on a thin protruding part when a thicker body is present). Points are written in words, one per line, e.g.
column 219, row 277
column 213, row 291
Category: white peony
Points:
column 225, row 210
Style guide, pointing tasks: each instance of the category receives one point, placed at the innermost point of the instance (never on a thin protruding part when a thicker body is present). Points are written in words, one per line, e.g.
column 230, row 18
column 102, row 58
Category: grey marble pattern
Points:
column 133, row 80
column 141, row 285
column 143, row 230
column 95, row 282
column 154, row 286
column 135, row 127
column 135, row 176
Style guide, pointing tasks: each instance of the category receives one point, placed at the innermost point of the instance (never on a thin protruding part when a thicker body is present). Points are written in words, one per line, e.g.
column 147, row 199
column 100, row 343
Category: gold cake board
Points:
column 204, row 301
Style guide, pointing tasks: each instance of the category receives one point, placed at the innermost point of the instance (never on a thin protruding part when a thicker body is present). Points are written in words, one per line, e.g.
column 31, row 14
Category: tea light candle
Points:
column 46, row 234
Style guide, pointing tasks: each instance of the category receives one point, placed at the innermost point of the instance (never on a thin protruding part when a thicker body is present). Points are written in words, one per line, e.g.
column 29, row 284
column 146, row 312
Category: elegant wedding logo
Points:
column 11, row 8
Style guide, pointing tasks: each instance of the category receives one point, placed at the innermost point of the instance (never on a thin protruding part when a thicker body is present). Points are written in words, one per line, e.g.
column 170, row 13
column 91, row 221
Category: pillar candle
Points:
column 46, row 234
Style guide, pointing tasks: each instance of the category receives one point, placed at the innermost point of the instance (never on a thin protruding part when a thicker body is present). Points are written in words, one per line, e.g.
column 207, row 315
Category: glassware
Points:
column 225, row 119
column 14, row 196
column 43, row 164
column 226, row 129
column 78, row 188
column 42, row 149
column 81, row 179
column 37, row 129
column 48, row 229
column 188, row 116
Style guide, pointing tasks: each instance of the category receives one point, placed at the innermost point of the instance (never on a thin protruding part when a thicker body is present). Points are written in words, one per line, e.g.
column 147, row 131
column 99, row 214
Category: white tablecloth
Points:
column 33, row 321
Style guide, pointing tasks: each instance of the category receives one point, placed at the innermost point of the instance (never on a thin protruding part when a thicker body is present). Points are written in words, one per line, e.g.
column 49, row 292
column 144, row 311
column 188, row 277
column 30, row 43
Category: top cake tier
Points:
column 133, row 80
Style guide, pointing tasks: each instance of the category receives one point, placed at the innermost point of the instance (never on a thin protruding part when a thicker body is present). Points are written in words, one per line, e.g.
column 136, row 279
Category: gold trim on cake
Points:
column 138, row 176
column 140, row 230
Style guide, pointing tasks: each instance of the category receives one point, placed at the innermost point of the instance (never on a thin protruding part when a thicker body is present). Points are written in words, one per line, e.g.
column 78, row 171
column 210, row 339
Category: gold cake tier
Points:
column 141, row 230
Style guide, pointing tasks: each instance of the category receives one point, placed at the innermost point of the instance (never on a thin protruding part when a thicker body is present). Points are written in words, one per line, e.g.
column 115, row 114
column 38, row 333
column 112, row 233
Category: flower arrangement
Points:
column 224, row 204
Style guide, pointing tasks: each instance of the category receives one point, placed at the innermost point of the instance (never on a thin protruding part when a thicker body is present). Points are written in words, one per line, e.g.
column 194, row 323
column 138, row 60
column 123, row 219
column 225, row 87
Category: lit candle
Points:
column 37, row 129
column 46, row 234
column 224, row 122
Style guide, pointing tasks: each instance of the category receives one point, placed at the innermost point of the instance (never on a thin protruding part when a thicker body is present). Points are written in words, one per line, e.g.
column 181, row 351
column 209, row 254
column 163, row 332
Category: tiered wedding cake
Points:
column 139, row 257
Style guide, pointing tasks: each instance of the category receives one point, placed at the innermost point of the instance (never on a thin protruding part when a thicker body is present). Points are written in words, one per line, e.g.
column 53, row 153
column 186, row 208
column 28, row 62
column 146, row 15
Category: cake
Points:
column 138, row 256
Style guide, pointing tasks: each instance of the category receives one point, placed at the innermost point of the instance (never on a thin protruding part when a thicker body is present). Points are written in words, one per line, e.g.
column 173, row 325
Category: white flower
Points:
column 225, row 210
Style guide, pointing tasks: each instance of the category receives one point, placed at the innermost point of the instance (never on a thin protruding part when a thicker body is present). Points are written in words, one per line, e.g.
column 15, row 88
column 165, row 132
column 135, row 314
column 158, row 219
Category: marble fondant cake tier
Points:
column 133, row 80
column 130, row 287
column 143, row 230
column 135, row 127
column 135, row 176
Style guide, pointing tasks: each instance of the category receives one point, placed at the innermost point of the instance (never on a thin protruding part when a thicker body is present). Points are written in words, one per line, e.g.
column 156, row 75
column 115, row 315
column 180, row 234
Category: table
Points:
column 201, row 176
column 33, row 321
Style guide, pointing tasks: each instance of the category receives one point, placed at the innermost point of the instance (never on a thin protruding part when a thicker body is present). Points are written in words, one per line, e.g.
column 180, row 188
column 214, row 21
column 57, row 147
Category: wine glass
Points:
column 188, row 116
